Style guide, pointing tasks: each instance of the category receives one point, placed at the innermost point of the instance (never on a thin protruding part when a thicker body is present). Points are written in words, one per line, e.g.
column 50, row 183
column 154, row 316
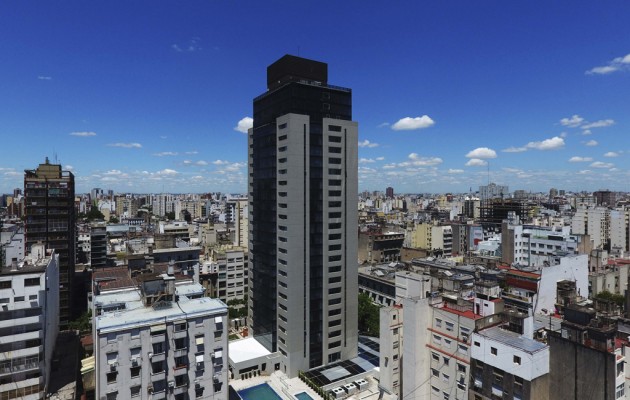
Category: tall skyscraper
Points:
column 303, row 189
column 51, row 220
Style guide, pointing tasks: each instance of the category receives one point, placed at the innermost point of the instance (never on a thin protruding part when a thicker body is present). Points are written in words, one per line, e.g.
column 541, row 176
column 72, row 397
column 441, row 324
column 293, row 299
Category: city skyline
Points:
column 151, row 97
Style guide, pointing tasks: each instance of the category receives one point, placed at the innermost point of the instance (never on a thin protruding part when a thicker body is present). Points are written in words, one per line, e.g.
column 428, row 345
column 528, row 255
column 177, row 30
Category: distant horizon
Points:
column 153, row 97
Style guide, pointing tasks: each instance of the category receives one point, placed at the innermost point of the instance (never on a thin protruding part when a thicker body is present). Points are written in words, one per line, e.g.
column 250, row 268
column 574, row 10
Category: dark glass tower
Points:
column 303, row 216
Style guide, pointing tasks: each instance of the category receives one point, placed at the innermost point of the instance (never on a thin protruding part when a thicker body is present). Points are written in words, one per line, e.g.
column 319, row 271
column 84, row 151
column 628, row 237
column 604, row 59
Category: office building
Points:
column 51, row 220
column 303, row 187
column 29, row 323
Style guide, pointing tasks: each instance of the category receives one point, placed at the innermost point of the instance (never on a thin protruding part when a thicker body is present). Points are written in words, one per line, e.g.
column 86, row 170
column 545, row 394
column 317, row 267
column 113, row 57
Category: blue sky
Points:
column 147, row 96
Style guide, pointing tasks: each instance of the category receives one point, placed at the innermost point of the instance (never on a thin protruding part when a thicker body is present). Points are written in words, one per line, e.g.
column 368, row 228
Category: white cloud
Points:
column 482, row 152
column 126, row 145
column 244, row 124
column 586, row 132
column 554, row 143
column 191, row 46
column 44, row 78
column 365, row 160
column 455, row 171
column 367, row 143
column 167, row 171
column 591, row 143
column 580, row 159
column 192, row 152
column 409, row 124
column 419, row 161
column 602, row 123
column 476, row 162
column 617, row 64
column 384, row 124
column 220, row 162
column 69, row 168
column 83, row 134
column 389, row 166
column 166, row 153
column 572, row 122
column 514, row 150
column 201, row 163
column 600, row 164
column 380, row 158
column 611, row 154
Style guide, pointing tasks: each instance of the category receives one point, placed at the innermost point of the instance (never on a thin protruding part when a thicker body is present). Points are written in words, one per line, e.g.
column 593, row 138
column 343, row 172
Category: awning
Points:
column 218, row 354
column 199, row 358
column 218, row 320
column 158, row 328
column 199, row 340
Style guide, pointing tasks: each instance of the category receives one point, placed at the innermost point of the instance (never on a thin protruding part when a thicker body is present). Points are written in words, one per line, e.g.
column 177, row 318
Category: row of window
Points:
column 27, row 282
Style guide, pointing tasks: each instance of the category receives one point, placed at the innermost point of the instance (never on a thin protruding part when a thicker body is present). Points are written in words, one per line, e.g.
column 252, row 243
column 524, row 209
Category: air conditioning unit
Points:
column 150, row 389
column 216, row 378
column 112, row 366
column 150, row 354
column 465, row 338
column 135, row 362
column 197, row 385
column 171, row 384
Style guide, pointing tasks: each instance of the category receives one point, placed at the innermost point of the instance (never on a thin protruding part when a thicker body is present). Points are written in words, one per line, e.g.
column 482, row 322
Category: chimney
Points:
column 171, row 268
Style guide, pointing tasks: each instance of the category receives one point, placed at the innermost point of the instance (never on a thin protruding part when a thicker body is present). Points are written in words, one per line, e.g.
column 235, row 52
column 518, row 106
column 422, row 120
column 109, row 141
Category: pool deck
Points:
column 287, row 388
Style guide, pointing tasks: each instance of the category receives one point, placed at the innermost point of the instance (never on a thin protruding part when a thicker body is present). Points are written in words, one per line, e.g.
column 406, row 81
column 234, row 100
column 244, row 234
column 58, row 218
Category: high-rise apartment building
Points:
column 51, row 220
column 303, row 217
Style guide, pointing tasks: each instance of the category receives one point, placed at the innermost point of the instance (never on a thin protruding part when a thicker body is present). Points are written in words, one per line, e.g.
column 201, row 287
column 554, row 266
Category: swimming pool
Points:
column 303, row 396
column 259, row 392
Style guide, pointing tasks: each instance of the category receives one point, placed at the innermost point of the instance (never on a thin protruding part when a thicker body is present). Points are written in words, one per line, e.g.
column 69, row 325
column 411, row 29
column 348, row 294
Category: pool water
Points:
column 259, row 392
column 303, row 396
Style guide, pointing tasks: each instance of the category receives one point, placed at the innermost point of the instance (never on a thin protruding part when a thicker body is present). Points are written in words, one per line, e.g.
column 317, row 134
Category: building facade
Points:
column 303, row 185
column 51, row 220
column 29, row 324
column 159, row 341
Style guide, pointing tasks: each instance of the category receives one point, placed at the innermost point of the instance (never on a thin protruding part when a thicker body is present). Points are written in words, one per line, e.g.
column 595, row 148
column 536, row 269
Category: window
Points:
column 447, row 343
column 493, row 351
column 32, row 297
column 477, row 344
column 5, row 284
column 446, row 360
column 517, row 360
column 449, row 326
column 336, row 150
column 438, row 323
column 135, row 391
column 18, row 298
column 462, row 348
column 435, row 372
column 282, row 126
column 180, row 344
column 135, row 372
column 334, row 128
column 437, row 339
column 158, row 348
column 31, row 282
column 435, row 356
column 111, row 377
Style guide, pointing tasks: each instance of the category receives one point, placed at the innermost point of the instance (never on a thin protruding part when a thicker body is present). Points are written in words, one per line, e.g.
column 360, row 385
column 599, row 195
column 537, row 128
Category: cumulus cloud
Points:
column 514, row 149
column 611, row 154
column 554, row 143
column 220, row 162
column 201, row 163
column 365, row 160
column 616, row 64
column 600, row 164
column 572, row 122
column 586, row 132
column 126, row 145
column 591, row 143
column 44, row 78
column 244, row 124
column 409, row 124
column 166, row 153
column 380, row 158
column 420, row 161
column 83, row 134
column 482, row 153
column 476, row 162
column 367, row 143
column 455, row 171
column 602, row 123
column 167, row 171
column 580, row 159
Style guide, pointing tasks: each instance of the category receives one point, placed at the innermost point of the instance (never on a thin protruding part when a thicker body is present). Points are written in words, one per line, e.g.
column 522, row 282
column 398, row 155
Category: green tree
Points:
column 113, row 219
column 368, row 316
column 95, row 214
column 170, row 215
column 619, row 299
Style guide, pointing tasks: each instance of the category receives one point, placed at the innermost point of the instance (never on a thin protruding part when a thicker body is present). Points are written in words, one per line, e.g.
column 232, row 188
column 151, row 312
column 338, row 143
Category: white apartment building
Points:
column 593, row 222
column 29, row 323
column 160, row 341
column 391, row 349
column 232, row 264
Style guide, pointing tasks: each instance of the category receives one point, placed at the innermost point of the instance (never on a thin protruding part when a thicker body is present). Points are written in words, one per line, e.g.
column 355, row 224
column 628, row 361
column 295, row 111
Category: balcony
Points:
column 158, row 396
column 158, row 376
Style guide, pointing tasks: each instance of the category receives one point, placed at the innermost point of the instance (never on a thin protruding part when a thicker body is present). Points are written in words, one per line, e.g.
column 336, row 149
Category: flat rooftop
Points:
column 513, row 339
column 246, row 349
column 135, row 314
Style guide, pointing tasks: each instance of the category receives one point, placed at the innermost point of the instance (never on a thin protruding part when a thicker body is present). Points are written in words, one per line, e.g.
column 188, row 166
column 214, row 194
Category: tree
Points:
column 170, row 215
column 368, row 316
column 113, row 219
column 95, row 214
